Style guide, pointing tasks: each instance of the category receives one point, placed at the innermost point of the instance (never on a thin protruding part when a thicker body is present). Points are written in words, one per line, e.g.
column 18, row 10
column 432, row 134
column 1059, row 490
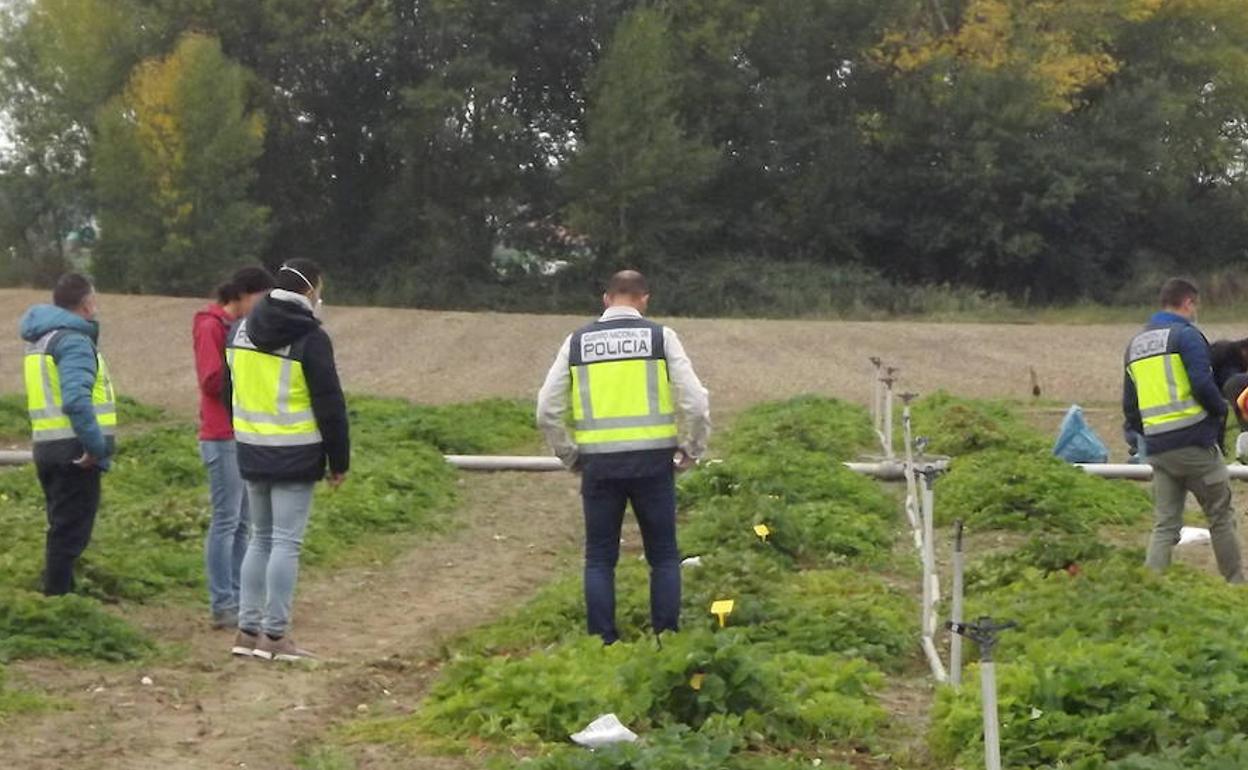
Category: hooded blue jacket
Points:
column 1194, row 350
column 74, row 355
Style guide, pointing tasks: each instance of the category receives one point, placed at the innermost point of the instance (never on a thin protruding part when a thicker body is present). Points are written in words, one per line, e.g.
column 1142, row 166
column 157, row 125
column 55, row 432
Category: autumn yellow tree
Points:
column 174, row 166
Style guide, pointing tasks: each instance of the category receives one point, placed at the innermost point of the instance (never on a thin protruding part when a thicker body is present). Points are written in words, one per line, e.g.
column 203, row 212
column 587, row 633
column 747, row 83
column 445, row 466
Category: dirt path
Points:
column 205, row 710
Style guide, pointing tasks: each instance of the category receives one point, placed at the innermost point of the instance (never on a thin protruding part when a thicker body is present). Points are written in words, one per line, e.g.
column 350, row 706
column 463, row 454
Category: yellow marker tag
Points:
column 762, row 531
column 721, row 609
column 696, row 681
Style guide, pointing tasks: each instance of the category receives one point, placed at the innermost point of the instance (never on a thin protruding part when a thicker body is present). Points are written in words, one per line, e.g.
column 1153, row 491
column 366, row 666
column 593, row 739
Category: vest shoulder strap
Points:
column 238, row 338
column 47, row 344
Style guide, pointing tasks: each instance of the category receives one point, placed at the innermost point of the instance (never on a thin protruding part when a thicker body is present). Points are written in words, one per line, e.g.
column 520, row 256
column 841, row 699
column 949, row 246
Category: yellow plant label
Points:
column 762, row 531
column 721, row 609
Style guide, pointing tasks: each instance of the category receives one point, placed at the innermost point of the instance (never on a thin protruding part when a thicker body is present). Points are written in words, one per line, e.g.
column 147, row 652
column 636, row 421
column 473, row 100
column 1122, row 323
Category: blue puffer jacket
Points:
column 74, row 355
column 1194, row 350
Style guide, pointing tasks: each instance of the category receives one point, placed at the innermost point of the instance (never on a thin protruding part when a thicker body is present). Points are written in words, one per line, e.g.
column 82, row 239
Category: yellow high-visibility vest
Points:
column 272, row 403
column 48, row 421
column 621, row 394
column 1163, row 389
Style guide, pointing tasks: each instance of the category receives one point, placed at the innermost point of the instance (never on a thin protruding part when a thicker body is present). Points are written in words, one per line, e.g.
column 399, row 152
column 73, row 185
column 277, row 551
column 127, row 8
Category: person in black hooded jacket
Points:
column 290, row 422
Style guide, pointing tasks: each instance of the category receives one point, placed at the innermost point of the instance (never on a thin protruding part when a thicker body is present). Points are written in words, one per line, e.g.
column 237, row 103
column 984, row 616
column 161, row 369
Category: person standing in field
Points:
column 290, row 421
column 639, row 413
column 73, row 419
column 1170, row 397
column 226, row 541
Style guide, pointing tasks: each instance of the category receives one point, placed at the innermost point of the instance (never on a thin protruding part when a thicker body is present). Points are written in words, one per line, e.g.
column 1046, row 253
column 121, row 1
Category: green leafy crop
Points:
column 1002, row 489
column 957, row 426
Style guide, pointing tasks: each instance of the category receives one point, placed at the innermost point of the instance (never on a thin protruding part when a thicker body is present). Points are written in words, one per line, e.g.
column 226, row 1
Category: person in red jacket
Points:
column 226, row 542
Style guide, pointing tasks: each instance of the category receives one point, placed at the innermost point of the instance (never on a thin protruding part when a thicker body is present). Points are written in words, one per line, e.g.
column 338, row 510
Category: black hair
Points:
column 1176, row 291
column 298, row 275
column 71, row 290
column 246, row 280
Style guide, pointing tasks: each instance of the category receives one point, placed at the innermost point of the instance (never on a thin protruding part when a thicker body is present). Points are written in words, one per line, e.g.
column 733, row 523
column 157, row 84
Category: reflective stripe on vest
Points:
column 271, row 400
column 621, row 395
column 1162, row 387
column 48, row 421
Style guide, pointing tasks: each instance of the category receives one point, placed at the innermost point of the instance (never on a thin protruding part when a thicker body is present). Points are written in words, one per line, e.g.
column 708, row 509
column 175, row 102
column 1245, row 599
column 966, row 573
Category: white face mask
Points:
column 318, row 309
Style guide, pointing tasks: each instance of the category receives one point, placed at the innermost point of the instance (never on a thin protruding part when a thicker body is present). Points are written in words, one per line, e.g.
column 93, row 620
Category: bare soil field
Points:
column 438, row 357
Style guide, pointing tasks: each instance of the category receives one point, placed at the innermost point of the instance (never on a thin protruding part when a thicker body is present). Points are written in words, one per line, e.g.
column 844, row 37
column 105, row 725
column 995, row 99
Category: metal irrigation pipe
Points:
column 889, row 381
column 955, row 640
column 912, row 492
column 931, row 584
column 984, row 632
column 887, row 471
column 876, row 392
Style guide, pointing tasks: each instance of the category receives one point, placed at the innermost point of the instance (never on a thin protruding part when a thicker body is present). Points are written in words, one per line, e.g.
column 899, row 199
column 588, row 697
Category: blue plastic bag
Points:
column 1077, row 442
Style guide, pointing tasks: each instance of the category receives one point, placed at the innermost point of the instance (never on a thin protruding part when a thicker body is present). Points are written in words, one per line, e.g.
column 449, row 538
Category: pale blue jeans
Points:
column 226, row 541
column 279, row 517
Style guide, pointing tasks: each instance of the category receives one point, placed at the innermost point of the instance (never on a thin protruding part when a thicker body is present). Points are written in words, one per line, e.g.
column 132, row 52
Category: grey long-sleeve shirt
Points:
column 691, row 399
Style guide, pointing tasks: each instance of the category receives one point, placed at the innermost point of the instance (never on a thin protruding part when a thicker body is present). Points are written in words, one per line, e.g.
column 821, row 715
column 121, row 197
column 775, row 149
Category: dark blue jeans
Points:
column 654, row 505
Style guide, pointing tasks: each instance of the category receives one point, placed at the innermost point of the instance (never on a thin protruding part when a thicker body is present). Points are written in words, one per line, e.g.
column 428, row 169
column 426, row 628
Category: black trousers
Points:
column 73, row 498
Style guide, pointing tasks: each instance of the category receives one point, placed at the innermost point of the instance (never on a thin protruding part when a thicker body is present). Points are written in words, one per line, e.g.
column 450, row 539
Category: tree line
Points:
column 468, row 153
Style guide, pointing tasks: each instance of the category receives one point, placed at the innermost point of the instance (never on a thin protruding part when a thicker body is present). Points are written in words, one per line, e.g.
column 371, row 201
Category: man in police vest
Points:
column 73, row 417
column 639, row 414
column 1169, row 395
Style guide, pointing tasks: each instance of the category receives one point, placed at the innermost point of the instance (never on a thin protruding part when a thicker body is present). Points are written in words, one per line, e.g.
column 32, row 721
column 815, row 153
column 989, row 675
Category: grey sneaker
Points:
column 245, row 644
column 224, row 620
column 283, row 649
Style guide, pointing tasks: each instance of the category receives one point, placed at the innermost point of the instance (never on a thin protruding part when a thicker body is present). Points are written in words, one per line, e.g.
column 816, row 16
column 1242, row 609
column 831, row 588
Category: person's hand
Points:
column 88, row 461
column 335, row 480
column 684, row 461
column 1241, row 446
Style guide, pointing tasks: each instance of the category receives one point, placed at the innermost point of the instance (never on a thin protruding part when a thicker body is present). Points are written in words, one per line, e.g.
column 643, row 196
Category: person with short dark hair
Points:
column 1169, row 397
column 73, row 419
column 1229, row 358
column 226, row 540
column 639, row 414
column 290, row 422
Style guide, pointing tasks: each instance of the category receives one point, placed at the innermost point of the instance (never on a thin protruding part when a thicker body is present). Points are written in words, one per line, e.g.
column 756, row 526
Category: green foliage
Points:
column 675, row 747
column 1110, row 662
column 812, row 423
column 956, row 426
column 816, row 534
column 32, row 625
column 632, row 182
column 14, row 424
column 792, row 476
column 19, row 701
column 757, row 156
column 784, row 699
column 131, row 413
column 174, row 166
column 1210, row 751
column 492, row 426
column 1001, row 489
column 1043, row 552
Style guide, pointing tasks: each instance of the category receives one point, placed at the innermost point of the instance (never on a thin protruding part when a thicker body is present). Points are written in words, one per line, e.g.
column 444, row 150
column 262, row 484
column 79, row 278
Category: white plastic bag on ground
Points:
column 1194, row 535
column 604, row 731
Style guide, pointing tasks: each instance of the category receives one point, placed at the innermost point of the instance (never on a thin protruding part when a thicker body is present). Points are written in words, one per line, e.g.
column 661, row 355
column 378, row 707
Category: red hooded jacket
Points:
column 208, row 332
